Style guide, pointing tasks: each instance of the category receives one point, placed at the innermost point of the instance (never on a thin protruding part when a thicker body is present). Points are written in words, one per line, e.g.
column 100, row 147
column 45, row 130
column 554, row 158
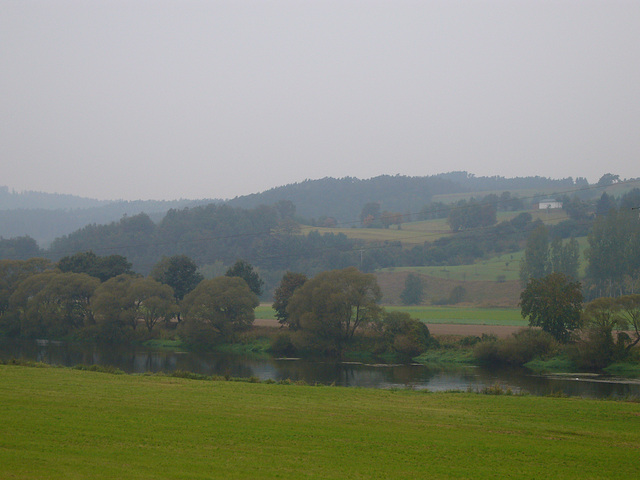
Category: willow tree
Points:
column 332, row 306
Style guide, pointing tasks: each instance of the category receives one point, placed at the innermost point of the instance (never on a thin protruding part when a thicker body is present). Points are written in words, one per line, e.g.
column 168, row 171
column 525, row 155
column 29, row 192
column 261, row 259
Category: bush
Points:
column 282, row 344
column 405, row 335
column 519, row 349
column 598, row 349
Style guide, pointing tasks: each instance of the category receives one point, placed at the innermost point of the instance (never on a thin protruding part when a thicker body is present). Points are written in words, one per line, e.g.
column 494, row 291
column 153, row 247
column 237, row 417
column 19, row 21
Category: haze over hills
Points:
column 46, row 216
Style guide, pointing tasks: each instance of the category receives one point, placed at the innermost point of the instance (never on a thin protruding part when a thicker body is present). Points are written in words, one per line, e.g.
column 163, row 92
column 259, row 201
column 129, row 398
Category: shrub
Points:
column 405, row 335
column 282, row 344
column 519, row 349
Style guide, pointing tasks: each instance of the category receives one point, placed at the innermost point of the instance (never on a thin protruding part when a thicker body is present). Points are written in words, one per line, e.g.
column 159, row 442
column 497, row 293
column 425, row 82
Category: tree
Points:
column 114, row 308
column 565, row 258
column 370, row 213
column 471, row 214
column 12, row 272
column 88, row 262
column 218, row 308
column 290, row 282
column 629, row 313
column 598, row 348
column 285, row 209
column 245, row 271
column 19, row 248
column 332, row 306
column 553, row 303
column 413, row 290
column 179, row 272
column 608, row 179
column 54, row 304
column 605, row 204
column 152, row 301
column 613, row 252
column 535, row 262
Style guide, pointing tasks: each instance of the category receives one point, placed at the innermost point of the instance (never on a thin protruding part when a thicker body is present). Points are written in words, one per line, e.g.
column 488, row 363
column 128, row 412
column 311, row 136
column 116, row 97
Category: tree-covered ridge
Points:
column 344, row 198
column 45, row 216
column 45, row 224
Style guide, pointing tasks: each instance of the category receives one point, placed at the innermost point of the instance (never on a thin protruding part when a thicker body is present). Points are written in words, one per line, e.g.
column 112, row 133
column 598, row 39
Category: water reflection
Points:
column 419, row 377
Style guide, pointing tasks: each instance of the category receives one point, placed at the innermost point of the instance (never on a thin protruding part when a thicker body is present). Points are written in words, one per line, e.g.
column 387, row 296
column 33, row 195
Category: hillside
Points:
column 344, row 198
column 46, row 216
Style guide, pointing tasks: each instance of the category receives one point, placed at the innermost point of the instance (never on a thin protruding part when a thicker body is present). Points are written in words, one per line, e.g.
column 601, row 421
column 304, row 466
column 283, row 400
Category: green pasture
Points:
column 489, row 270
column 502, row 267
column 63, row 423
column 461, row 315
column 465, row 316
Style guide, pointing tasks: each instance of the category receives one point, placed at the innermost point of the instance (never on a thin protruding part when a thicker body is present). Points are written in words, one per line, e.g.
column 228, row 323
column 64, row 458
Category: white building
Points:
column 549, row 204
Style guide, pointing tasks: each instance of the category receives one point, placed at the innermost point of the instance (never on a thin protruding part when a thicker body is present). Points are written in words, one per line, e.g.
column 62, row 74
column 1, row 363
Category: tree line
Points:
column 88, row 297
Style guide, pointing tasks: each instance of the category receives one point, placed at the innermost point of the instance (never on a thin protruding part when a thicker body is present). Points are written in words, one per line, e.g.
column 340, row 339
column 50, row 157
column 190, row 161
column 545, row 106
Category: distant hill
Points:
column 11, row 200
column 46, row 216
column 344, row 198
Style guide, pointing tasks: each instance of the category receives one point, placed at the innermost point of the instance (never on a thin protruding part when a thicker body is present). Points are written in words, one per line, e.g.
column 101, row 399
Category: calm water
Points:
column 140, row 360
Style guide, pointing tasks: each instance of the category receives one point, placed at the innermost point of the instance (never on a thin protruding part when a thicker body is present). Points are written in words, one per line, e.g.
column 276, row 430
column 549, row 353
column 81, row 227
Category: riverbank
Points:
column 438, row 329
column 58, row 423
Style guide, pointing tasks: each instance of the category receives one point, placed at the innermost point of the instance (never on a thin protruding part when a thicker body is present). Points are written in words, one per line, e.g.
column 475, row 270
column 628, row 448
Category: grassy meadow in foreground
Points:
column 63, row 423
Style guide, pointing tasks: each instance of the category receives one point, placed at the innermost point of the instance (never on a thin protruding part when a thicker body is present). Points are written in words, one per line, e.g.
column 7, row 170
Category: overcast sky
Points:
column 192, row 99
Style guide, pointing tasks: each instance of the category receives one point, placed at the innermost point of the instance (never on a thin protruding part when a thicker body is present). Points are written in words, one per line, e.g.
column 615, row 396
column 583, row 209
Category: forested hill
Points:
column 344, row 198
column 11, row 200
column 46, row 216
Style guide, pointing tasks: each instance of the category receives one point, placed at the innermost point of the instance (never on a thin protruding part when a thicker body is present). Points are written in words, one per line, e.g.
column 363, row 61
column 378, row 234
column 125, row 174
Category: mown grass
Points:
column 63, row 423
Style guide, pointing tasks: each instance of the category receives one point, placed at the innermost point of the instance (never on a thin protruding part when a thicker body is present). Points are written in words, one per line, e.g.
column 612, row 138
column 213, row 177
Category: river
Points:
column 418, row 377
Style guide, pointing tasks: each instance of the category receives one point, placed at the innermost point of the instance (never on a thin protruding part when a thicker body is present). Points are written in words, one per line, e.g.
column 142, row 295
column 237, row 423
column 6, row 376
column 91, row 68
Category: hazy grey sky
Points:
column 170, row 99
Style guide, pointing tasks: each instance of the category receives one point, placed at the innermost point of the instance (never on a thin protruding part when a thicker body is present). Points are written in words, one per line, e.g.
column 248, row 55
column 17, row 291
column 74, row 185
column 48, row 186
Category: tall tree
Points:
column 290, row 282
column 553, row 303
column 565, row 257
column 613, row 252
column 179, row 272
column 535, row 262
column 245, row 271
column 413, row 290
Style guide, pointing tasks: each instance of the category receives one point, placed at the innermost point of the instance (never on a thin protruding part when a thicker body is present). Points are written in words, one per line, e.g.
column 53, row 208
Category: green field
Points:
column 461, row 315
column 507, row 266
column 63, row 423
column 465, row 316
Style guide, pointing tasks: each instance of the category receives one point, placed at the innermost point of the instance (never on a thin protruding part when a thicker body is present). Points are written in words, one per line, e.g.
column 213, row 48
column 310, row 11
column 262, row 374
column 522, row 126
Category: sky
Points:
column 216, row 99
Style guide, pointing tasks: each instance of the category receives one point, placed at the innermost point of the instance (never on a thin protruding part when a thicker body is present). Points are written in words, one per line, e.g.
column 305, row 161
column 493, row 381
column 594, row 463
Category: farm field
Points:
column 418, row 232
column 63, row 423
column 463, row 315
column 412, row 233
column 444, row 315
